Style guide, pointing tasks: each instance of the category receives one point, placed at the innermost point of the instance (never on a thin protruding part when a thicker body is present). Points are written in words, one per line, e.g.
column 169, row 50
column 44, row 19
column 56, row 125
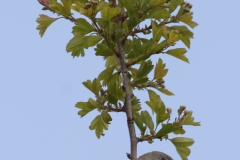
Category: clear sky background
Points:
column 40, row 84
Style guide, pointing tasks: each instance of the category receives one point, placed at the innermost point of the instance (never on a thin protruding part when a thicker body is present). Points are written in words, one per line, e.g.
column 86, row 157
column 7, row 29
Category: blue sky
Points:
column 40, row 84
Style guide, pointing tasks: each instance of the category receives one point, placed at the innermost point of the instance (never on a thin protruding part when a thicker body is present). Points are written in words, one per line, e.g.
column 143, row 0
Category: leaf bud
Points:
column 44, row 2
column 186, row 112
column 189, row 5
column 186, row 10
column 181, row 109
column 169, row 110
column 150, row 141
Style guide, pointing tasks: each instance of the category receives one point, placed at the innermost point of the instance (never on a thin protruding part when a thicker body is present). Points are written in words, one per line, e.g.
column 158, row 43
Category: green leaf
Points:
column 136, row 108
column 67, row 6
column 103, row 50
column 132, row 22
column 189, row 120
column 121, row 94
column 164, row 31
column 118, row 36
column 186, row 34
column 155, row 100
column 78, row 42
column 115, row 78
column 157, row 13
column 174, row 4
column 159, row 71
column 106, row 74
column 143, row 58
column 153, row 96
column 156, row 32
column 166, row 129
column 178, row 53
column 44, row 22
column 129, row 5
column 156, row 2
column 161, row 114
column 112, row 99
column 106, row 117
column 136, row 48
column 165, row 91
column 135, row 101
column 58, row 8
column 86, row 107
column 182, row 142
column 152, row 105
column 147, row 119
column 100, row 5
column 181, row 145
column 179, row 131
column 82, row 27
column 111, row 61
column 145, row 68
column 93, row 86
column 173, row 37
column 187, row 19
column 95, row 103
column 108, row 12
column 140, row 81
column 115, row 92
column 160, row 117
column 134, row 73
column 139, row 122
column 110, row 29
column 113, row 87
column 98, row 125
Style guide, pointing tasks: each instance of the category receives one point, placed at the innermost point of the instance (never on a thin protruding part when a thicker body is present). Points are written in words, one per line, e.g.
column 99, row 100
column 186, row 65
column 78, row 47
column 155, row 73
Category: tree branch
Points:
column 127, row 105
column 157, row 52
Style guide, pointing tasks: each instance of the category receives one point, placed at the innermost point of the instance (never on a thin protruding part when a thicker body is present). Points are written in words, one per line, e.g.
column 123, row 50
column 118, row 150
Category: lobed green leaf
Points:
column 186, row 34
column 103, row 50
column 77, row 44
column 189, row 120
column 98, row 125
column 82, row 27
column 93, row 86
column 145, row 68
column 160, row 71
column 86, row 107
column 44, row 22
column 106, row 117
column 166, row 129
column 107, row 12
column 178, row 53
column 106, row 74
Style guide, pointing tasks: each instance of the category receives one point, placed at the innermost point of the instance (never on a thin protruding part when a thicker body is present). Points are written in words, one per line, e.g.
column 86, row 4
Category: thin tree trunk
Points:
column 127, row 104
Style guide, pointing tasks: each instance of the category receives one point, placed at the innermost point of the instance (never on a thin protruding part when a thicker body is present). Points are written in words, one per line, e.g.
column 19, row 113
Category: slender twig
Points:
column 127, row 104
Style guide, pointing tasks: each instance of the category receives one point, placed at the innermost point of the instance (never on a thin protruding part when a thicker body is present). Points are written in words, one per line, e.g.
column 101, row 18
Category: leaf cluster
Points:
column 103, row 33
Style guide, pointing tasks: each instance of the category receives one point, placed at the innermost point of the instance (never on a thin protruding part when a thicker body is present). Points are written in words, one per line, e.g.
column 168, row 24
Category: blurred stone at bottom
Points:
column 155, row 155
